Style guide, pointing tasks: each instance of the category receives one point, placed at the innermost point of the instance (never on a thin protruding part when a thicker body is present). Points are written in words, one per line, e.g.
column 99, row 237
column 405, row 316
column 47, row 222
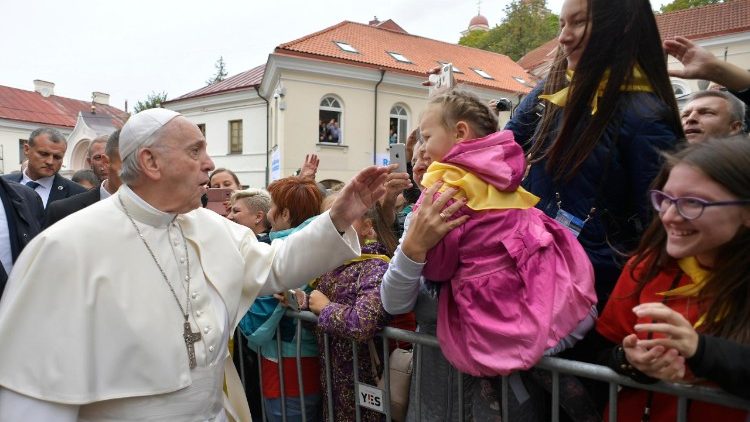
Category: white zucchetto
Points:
column 141, row 126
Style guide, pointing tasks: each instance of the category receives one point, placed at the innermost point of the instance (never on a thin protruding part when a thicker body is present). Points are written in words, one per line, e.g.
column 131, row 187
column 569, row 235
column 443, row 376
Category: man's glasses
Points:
column 689, row 208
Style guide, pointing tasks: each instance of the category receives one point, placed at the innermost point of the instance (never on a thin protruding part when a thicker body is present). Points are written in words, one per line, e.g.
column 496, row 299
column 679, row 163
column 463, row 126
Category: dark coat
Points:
column 61, row 187
column 25, row 214
column 614, row 179
column 64, row 207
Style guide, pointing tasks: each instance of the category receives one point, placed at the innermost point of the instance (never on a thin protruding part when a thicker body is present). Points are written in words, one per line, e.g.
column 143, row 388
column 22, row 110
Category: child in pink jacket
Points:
column 516, row 282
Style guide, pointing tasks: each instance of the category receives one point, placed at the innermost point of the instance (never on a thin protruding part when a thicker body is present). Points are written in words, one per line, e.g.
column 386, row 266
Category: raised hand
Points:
column 310, row 166
column 697, row 61
column 359, row 195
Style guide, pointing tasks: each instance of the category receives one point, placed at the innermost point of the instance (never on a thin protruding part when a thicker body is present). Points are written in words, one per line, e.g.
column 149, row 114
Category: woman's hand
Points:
column 678, row 333
column 431, row 222
column 317, row 301
column 656, row 362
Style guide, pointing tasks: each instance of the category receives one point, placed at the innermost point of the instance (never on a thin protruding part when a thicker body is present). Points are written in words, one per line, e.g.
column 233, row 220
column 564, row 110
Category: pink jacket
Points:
column 519, row 281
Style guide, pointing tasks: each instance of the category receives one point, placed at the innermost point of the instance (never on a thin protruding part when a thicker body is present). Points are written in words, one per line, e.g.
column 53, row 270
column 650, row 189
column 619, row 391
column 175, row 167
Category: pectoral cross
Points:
column 190, row 338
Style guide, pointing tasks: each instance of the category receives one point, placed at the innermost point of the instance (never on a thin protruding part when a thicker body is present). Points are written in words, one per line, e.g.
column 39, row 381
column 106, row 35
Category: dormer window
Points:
column 346, row 47
column 399, row 57
column 482, row 73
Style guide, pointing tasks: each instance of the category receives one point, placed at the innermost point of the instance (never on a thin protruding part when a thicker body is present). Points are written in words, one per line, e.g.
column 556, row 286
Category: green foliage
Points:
column 221, row 72
column 526, row 26
column 686, row 4
column 154, row 100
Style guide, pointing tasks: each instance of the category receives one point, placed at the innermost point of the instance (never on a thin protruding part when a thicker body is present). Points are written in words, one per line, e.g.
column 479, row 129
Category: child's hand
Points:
column 431, row 222
column 317, row 301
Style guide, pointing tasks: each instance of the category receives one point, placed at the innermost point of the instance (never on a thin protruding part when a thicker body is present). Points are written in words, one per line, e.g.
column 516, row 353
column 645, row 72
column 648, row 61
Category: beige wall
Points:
column 298, row 123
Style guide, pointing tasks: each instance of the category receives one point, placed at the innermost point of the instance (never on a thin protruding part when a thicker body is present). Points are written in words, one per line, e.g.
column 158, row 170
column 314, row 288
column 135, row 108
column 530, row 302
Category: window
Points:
column 680, row 89
column 329, row 121
column 399, row 129
column 21, row 155
column 482, row 73
column 455, row 69
column 399, row 57
column 346, row 47
column 235, row 136
column 202, row 128
column 520, row 80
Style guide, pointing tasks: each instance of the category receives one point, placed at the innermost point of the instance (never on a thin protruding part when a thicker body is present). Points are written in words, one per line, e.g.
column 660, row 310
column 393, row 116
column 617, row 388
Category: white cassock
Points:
column 89, row 329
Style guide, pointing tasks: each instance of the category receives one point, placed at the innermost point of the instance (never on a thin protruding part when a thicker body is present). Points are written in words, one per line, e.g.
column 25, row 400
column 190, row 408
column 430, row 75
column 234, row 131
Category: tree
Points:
column 154, row 100
column 221, row 72
column 527, row 25
column 686, row 4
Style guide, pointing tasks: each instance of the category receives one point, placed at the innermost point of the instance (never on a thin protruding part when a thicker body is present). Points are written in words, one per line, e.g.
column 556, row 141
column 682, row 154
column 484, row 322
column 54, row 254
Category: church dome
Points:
column 479, row 20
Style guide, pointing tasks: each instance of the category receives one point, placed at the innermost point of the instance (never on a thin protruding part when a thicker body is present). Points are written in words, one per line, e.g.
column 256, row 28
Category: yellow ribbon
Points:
column 639, row 83
column 480, row 194
column 699, row 277
column 366, row 256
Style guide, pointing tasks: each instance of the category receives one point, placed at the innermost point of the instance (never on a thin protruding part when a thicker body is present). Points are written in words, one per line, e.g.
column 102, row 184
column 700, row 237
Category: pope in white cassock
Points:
column 123, row 310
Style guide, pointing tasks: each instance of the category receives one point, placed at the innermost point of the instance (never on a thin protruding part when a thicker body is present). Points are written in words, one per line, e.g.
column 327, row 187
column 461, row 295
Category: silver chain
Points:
column 185, row 311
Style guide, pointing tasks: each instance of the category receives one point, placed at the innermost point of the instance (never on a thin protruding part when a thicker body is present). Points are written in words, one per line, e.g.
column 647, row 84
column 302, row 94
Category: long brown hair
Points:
column 382, row 229
column 726, row 295
column 623, row 34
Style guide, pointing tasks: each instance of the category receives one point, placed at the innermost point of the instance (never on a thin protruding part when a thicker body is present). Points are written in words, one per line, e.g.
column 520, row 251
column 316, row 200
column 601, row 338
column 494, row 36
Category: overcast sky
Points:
column 129, row 49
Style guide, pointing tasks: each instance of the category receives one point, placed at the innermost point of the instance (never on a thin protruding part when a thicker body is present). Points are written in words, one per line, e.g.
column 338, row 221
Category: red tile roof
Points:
column 32, row 107
column 373, row 44
column 244, row 80
column 539, row 55
column 696, row 23
column 706, row 21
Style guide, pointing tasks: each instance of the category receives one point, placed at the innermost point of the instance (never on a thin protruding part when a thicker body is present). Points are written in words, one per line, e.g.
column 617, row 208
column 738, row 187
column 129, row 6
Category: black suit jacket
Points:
column 61, row 187
column 25, row 214
column 64, row 207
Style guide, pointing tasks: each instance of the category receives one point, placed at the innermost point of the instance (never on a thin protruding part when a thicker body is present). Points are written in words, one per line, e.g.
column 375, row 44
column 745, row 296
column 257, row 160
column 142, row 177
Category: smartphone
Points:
column 217, row 197
column 291, row 300
column 398, row 156
column 443, row 81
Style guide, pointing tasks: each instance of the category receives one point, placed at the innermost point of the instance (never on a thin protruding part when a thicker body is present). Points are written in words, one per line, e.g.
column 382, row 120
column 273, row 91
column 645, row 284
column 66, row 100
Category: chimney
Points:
column 43, row 87
column 374, row 21
column 100, row 98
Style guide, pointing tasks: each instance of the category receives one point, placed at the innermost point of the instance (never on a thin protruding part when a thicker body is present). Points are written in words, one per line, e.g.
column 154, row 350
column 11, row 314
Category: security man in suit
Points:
column 45, row 151
column 63, row 208
column 21, row 216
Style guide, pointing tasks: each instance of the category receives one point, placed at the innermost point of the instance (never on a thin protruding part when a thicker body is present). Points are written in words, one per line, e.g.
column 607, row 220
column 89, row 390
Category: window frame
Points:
column 333, row 107
column 232, row 150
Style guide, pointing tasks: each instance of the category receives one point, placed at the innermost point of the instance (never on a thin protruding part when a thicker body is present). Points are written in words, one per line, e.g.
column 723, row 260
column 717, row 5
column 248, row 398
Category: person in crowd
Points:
column 347, row 303
column 295, row 203
column 86, row 178
column 250, row 208
column 96, row 157
column 45, row 151
column 700, row 63
column 224, row 178
column 711, row 114
column 154, row 346
column 692, row 259
column 404, row 290
column 607, row 111
column 63, row 208
column 333, row 132
column 23, row 214
column 525, row 266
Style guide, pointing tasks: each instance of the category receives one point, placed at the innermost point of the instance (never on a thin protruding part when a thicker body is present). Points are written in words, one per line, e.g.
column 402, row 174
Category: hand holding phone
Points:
column 398, row 156
column 443, row 80
column 218, row 200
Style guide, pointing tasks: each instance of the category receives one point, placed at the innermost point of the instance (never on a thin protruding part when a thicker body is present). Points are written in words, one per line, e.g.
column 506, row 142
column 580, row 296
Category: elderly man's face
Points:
column 708, row 117
column 184, row 165
column 98, row 160
column 45, row 157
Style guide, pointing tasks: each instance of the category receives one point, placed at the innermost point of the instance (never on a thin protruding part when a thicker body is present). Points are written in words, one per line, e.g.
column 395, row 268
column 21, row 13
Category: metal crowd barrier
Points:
column 556, row 366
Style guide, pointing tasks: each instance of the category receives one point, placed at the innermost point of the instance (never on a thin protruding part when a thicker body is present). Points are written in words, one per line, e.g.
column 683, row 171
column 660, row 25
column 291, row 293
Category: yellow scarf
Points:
column 698, row 277
column 480, row 194
column 639, row 83
column 366, row 256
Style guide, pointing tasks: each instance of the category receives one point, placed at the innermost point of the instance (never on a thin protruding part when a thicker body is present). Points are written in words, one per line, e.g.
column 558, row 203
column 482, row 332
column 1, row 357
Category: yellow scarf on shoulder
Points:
column 480, row 194
column 639, row 83
column 698, row 276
